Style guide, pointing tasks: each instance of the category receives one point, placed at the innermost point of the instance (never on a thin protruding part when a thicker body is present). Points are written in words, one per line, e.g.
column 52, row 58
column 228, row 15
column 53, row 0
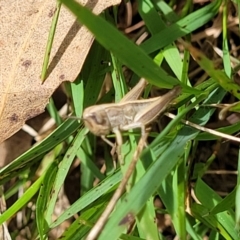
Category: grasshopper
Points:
column 129, row 113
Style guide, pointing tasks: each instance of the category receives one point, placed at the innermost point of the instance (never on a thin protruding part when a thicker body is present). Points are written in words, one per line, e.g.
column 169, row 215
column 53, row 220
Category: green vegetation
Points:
column 166, row 167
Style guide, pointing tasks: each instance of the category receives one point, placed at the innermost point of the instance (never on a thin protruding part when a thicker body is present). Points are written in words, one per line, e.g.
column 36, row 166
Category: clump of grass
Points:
column 169, row 167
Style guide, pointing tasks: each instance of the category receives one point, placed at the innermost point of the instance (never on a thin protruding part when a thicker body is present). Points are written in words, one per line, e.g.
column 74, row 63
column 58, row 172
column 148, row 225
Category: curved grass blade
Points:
column 182, row 27
column 119, row 45
column 35, row 154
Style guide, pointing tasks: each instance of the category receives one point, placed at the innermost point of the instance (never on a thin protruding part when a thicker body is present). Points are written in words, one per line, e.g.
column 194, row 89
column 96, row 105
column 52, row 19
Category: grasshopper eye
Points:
column 100, row 120
column 95, row 119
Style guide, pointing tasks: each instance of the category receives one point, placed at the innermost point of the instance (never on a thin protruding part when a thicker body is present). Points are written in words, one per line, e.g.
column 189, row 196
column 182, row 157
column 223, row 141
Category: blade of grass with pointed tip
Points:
column 64, row 168
column 31, row 191
column 181, row 28
column 43, row 198
column 34, row 154
column 218, row 75
column 126, row 51
column 223, row 221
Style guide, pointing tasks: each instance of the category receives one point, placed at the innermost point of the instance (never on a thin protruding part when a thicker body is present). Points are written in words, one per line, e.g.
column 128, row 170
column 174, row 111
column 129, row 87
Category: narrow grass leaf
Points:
column 144, row 7
column 64, row 168
column 181, row 28
column 88, row 198
column 118, row 44
column 209, row 199
column 190, row 229
column 53, row 112
column 43, row 198
column 26, row 197
column 77, row 91
column 147, row 215
column 225, row 204
column 226, row 54
column 218, row 75
column 81, row 225
column 93, row 73
column 50, row 41
column 237, row 200
column 201, row 213
column 34, row 154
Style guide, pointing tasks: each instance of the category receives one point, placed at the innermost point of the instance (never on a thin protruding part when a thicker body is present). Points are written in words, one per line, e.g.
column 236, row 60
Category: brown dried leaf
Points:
column 24, row 33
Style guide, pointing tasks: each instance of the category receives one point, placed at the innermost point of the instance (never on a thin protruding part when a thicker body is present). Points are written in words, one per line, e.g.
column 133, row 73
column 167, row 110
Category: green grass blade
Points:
column 237, row 200
column 77, row 90
column 34, row 154
column 64, row 168
column 50, row 40
column 43, row 199
column 27, row 196
column 53, row 112
column 182, row 27
column 119, row 45
column 218, row 75
column 209, row 199
column 88, row 198
column 226, row 203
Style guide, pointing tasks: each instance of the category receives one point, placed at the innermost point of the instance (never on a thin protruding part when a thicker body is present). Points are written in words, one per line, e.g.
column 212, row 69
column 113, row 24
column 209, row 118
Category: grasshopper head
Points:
column 96, row 120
